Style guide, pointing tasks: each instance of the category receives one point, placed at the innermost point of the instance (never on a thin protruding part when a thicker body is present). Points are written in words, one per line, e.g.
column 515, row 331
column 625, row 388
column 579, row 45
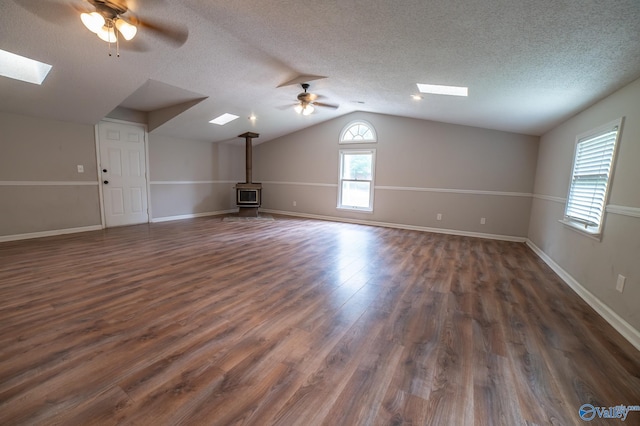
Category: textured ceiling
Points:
column 528, row 65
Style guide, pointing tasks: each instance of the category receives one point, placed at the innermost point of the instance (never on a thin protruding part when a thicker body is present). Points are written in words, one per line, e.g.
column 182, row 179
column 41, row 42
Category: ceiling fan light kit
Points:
column 304, row 109
column 105, row 28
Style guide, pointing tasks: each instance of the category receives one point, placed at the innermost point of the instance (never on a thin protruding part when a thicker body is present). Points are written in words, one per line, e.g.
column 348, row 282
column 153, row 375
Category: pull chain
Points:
column 109, row 35
column 115, row 31
column 111, row 26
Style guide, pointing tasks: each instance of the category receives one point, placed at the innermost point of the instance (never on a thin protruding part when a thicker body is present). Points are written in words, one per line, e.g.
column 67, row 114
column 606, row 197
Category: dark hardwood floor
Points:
column 297, row 322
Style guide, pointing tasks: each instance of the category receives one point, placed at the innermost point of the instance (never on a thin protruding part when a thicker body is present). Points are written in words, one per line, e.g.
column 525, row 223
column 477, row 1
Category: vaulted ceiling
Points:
column 528, row 64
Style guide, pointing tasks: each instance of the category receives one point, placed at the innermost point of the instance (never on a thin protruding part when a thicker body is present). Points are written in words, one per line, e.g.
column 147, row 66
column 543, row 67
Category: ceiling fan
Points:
column 307, row 102
column 110, row 20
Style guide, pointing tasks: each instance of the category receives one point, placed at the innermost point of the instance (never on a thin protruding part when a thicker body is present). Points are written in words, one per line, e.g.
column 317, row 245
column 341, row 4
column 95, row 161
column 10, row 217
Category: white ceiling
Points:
column 528, row 64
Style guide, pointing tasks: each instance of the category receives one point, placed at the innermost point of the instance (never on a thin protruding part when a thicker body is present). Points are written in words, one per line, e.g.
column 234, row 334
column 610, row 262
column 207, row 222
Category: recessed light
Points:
column 224, row 119
column 23, row 69
column 437, row 89
column 416, row 97
column 252, row 117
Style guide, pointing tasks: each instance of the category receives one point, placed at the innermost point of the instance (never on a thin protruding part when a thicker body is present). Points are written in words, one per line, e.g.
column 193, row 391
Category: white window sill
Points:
column 355, row 209
column 580, row 229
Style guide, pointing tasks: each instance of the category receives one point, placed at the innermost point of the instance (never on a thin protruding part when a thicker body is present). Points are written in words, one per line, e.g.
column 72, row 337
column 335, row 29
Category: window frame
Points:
column 594, row 232
column 352, row 151
column 350, row 125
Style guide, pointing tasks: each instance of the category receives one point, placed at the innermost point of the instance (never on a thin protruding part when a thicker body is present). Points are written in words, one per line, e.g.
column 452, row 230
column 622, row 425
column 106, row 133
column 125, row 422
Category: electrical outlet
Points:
column 439, row 216
column 620, row 283
column 295, row 203
column 80, row 168
column 483, row 221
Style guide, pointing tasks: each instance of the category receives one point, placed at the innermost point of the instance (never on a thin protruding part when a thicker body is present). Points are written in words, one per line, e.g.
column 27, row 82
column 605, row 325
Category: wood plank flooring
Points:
column 297, row 322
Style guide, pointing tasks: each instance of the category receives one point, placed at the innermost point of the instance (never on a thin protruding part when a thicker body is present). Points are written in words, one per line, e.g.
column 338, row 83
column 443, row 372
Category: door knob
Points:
column 106, row 182
column 104, row 170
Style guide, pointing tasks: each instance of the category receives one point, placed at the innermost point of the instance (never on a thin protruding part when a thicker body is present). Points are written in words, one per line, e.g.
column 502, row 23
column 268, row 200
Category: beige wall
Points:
column 40, row 187
column 192, row 178
column 595, row 265
column 464, row 173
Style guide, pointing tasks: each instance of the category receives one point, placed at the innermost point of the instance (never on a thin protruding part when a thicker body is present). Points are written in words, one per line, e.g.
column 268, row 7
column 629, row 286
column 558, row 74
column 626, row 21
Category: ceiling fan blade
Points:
column 174, row 34
column 116, row 4
column 322, row 104
column 136, row 5
column 135, row 45
column 286, row 107
column 51, row 11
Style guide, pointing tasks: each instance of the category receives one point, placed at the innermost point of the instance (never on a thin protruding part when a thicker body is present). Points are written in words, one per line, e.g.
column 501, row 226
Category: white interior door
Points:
column 123, row 173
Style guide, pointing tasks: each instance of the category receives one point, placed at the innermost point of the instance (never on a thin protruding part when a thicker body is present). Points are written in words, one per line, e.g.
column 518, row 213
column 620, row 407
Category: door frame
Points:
column 144, row 127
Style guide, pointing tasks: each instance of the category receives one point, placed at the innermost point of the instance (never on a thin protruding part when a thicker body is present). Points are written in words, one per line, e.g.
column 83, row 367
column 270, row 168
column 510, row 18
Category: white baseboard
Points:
column 401, row 226
column 16, row 237
column 52, row 233
column 191, row 216
column 623, row 327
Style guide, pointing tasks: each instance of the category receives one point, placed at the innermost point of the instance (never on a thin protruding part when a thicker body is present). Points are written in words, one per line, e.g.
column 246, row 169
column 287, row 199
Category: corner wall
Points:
column 422, row 168
column 593, row 266
column 191, row 178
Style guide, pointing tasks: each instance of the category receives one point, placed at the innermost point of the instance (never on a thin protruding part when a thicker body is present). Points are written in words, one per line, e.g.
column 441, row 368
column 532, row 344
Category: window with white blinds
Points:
column 592, row 169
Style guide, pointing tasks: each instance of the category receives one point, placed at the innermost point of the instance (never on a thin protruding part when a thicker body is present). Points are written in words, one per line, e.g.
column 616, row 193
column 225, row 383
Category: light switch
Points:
column 620, row 283
column 80, row 168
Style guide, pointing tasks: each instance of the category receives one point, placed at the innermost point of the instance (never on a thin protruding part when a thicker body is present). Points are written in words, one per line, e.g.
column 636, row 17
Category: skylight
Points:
column 436, row 89
column 23, row 69
column 224, row 119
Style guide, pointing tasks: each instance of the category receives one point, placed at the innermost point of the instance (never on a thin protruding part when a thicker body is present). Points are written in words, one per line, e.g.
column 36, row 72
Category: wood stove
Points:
column 248, row 193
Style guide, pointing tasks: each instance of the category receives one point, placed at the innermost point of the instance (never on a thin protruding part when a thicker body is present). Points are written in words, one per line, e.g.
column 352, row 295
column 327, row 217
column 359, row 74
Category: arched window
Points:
column 358, row 132
column 357, row 167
